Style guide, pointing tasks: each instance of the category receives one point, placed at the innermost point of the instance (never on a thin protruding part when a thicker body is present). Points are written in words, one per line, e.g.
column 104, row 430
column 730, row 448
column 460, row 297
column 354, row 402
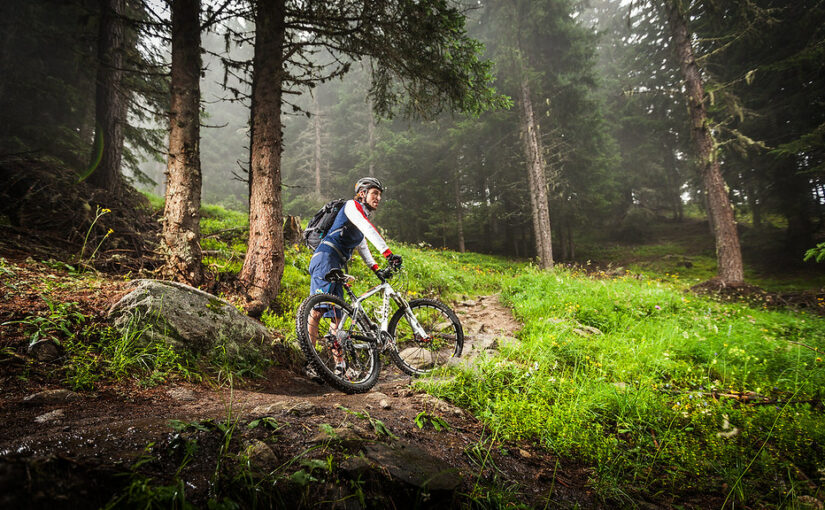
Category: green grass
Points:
column 647, row 401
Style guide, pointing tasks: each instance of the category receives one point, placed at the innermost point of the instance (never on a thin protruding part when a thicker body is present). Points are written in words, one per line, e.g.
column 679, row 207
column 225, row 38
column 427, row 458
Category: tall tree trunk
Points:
column 673, row 181
column 181, row 230
column 316, row 121
column 110, row 104
column 264, row 262
column 794, row 193
column 534, row 155
column 754, row 204
column 720, row 210
column 459, row 210
column 371, row 135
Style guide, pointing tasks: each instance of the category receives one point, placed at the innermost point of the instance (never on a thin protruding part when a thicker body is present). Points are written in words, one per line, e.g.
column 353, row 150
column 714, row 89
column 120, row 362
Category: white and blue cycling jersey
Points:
column 349, row 232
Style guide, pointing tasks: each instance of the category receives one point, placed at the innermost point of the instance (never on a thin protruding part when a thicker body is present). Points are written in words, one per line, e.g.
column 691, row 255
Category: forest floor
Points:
column 281, row 440
column 64, row 448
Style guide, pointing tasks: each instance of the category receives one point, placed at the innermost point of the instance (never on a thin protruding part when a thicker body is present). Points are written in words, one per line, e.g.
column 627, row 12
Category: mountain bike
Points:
column 343, row 342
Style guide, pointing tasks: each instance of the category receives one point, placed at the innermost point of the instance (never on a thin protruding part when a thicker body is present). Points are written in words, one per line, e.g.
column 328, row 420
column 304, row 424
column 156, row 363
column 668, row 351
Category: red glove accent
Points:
column 387, row 253
column 374, row 267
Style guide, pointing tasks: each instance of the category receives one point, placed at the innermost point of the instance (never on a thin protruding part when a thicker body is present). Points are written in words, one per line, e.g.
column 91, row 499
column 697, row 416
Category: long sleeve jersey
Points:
column 350, row 231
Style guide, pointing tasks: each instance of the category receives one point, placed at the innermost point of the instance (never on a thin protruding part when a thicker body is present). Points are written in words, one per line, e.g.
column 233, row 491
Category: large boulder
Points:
column 190, row 320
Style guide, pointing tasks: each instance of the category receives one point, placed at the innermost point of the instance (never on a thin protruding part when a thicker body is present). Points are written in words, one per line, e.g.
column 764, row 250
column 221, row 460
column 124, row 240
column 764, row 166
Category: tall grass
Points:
column 677, row 393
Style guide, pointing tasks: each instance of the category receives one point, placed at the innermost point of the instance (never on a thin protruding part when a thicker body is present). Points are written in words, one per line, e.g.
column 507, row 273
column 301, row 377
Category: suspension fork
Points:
column 418, row 330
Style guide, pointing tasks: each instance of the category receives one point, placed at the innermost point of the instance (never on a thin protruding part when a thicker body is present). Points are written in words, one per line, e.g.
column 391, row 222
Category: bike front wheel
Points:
column 441, row 337
column 337, row 347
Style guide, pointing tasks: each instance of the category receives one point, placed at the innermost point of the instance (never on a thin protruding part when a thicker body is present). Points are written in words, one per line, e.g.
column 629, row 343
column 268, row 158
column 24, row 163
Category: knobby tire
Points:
column 416, row 357
column 311, row 352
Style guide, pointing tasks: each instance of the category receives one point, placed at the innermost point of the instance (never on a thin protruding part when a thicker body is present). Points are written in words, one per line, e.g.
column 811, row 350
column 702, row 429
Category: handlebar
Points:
column 387, row 273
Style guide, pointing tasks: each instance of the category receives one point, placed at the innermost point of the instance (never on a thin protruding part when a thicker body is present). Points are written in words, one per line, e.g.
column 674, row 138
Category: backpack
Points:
column 320, row 224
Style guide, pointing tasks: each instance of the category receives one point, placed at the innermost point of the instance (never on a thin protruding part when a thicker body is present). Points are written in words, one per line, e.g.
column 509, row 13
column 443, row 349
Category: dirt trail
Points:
column 113, row 426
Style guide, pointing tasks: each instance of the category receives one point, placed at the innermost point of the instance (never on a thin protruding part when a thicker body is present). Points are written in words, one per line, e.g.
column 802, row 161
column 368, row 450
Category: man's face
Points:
column 372, row 197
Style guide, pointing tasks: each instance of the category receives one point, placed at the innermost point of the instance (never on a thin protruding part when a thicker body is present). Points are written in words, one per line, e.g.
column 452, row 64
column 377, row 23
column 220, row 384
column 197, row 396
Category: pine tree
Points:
column 181, row 228
column 422, row 62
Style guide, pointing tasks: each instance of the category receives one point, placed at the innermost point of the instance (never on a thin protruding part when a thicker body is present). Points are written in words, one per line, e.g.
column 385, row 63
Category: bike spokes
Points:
column 427, row 337
column 334, row 344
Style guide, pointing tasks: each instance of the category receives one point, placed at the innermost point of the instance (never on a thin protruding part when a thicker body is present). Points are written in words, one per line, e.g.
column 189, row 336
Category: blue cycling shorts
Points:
column 321, row 263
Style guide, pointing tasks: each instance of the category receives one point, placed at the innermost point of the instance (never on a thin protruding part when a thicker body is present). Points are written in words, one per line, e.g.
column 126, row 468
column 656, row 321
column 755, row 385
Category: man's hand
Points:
column 394, row 260
column 382, row 274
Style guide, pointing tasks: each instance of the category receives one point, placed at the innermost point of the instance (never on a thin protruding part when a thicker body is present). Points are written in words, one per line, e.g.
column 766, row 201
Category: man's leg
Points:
column 312, row 326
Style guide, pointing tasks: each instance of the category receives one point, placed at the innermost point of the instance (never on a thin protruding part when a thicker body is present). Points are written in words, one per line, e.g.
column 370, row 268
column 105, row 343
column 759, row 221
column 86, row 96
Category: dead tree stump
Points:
column 293, row 233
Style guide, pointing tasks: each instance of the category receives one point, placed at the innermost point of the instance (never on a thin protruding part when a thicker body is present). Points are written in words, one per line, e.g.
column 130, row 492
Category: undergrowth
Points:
column 670, row 393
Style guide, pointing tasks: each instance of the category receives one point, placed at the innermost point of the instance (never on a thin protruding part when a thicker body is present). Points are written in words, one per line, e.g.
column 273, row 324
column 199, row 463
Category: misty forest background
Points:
column 603, row 80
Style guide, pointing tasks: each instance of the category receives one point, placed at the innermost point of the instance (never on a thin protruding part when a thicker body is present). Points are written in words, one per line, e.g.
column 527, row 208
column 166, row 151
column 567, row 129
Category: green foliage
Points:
column 817, row 253
column 675, row 393
column 224, row 234
column 437, row 422
column 99, row 353
column 60, row 322
column 378, row 426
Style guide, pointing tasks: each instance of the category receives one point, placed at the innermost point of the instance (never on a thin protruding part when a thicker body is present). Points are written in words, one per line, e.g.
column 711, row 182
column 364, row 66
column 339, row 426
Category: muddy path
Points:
column 79, row 439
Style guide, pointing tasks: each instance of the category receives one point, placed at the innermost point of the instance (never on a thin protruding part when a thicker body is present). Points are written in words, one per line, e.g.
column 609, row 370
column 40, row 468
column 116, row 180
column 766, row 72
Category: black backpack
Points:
column 319, row 225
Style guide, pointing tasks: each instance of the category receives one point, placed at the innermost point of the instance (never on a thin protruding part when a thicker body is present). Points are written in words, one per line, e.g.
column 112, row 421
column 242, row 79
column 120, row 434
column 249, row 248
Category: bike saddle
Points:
column 337, row 276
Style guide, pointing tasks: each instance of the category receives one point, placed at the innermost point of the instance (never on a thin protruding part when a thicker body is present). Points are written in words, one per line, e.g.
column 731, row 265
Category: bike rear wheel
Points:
column 329, row 338
column 443, row 338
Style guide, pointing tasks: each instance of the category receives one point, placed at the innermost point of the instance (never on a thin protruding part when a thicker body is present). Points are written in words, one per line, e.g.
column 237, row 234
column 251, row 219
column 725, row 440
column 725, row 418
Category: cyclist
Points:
column 350, row 231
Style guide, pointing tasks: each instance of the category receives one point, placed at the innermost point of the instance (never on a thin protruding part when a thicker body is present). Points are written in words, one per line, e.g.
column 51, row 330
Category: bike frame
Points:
column 388, row 293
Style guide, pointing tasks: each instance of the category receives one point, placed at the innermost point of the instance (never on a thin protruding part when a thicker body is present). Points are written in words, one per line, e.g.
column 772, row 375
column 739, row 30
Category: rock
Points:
column 268, row 409
column 356, row 467
column 350, row 438
column 51, row 397
column 487, row 342
column 384, row 403
column 587, row 330
column 301, row 408
column 44, row 350
column 261, row 455
column 468, row 303
column 190, row 319
column 182, row 394
column 440, row 405
column 414, row 466
column 56, row 415
column 524, row 453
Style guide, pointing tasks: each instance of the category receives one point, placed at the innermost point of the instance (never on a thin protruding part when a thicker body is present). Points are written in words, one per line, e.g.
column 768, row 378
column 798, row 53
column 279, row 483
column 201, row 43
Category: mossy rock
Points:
column 189, row 319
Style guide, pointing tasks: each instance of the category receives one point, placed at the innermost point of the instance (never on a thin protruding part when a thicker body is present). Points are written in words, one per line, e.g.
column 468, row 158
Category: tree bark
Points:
column 720, row 209
column 371, row 135
column 673, row 180
column 110, row 105
column 264, row 262
column 534, row 155
column 459, row 211
column 181, row 229
column 316, row 121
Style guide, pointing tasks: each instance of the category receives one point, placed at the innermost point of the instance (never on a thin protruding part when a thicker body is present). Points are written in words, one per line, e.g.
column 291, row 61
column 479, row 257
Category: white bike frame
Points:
column 384, row 311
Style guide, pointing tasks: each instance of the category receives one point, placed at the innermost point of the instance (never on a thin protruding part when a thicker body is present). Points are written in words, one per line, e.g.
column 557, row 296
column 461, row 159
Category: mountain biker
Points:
column 350, row 231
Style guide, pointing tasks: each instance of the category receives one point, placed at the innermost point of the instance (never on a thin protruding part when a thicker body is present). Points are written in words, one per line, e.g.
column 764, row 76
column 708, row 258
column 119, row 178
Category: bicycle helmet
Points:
column 367, row 183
